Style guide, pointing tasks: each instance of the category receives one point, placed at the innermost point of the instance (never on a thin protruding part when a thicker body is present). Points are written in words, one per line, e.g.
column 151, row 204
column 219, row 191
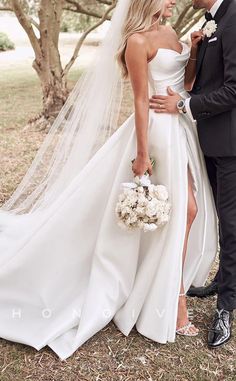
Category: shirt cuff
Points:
column 188, row 109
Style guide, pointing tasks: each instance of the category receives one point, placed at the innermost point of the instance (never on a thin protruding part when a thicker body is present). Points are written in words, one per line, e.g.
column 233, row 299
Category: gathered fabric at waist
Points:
column 161, row 89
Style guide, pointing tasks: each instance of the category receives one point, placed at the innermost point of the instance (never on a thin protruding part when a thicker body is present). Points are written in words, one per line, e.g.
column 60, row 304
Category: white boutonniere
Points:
column 210, row 28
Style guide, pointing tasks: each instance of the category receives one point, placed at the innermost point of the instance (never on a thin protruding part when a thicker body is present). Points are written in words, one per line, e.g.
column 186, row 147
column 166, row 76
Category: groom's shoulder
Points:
column 231, row 11
column 233, row 3
column 230, row 15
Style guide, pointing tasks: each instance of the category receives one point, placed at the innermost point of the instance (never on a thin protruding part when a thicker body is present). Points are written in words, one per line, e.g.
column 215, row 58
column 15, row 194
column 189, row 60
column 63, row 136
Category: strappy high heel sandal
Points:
column 186, row 329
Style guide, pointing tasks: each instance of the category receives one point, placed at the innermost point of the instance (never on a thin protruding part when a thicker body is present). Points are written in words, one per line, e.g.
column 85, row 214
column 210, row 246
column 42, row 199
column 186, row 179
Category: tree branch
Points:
column 6, row 9
column 34, row 22
column 77, row 8
column 190, row 24
column 9, row 9
column 182, row 16
column 106, row 2
column 44, row 15
column 26, row 24
column 83, row 37
column 56, row 9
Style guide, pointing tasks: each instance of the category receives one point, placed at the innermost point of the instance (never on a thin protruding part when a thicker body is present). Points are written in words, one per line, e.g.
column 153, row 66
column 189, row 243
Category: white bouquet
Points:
column 143, row 205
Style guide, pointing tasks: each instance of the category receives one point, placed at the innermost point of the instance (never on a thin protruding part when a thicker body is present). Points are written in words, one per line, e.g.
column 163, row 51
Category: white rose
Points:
column 149, row 227
column 140, row 190
column 126, row 210
column 162, row 193
column 142, row 200
column 140, row 224
column 132, row 201
column 151, row 211
column 163, row 219
column 133, row 219
column 151, row 188
column 140, row 210
column 152, row 207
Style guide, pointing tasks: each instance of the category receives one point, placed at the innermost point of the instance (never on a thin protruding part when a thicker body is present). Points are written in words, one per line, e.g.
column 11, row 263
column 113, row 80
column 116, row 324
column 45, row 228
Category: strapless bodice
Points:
column 167, row 68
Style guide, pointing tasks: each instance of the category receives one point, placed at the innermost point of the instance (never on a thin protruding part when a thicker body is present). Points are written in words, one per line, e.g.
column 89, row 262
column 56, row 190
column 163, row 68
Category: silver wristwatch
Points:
column 181, row 106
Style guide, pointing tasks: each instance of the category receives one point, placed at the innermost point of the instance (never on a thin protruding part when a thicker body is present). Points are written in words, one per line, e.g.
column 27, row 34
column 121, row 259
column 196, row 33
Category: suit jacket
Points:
column 213, row 101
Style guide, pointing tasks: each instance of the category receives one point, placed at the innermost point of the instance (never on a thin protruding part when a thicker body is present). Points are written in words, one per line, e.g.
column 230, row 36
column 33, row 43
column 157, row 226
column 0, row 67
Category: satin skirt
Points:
column 66, row 272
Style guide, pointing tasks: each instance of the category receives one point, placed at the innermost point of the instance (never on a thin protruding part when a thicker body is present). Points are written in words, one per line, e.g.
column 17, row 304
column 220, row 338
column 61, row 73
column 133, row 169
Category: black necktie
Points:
column 208, row 16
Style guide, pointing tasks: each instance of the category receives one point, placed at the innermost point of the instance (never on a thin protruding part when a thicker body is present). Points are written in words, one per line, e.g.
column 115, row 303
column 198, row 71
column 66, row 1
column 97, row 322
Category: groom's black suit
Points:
column 213, row 105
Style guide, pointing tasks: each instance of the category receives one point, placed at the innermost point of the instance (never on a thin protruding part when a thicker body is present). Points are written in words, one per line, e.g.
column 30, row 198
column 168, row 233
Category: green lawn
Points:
column 20, row 100
column 109, row 355
column 20, row 95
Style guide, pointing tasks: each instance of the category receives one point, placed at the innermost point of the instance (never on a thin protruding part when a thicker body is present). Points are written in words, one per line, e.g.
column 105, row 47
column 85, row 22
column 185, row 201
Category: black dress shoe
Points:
column 204, row 292
column 221, row 329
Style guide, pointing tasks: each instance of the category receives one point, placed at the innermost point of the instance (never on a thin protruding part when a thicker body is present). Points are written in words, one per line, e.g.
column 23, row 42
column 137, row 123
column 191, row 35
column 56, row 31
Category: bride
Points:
column 66, row 268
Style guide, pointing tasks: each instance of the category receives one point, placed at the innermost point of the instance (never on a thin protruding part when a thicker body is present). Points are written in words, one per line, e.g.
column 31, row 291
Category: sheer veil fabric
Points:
column 87, row 120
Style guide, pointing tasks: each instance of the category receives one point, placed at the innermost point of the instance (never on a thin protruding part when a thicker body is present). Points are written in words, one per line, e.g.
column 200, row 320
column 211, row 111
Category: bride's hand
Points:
column 196, row 37
column 142, row 164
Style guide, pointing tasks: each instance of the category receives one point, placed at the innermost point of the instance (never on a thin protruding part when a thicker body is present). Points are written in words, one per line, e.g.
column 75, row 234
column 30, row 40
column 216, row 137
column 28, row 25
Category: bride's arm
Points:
column 190, row 72
column 136, row 57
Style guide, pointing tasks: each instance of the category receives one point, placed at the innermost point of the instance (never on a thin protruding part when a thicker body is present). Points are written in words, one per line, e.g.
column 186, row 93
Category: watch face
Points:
column 180, row 104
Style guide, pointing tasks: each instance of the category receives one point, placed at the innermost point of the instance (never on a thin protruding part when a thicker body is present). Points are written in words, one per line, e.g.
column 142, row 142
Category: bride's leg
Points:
column 192, row 212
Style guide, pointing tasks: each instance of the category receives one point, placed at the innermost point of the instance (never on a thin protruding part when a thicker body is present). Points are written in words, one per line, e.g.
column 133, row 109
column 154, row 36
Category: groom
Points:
column 213, row 105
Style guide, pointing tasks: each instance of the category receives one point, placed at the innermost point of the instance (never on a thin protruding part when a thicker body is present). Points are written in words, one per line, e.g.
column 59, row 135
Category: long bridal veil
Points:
column 88, row 118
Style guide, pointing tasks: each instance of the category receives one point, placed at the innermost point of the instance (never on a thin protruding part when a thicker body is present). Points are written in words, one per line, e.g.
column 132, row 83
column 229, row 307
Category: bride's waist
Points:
column 161, row 89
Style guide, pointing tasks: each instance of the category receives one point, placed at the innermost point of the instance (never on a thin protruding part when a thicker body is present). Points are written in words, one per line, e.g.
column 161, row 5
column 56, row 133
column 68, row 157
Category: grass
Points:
column 109, row 355
column 20, row 100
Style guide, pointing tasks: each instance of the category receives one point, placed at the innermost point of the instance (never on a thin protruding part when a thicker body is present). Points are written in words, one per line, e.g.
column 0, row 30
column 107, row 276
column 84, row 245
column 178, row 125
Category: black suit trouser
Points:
column 222, row 175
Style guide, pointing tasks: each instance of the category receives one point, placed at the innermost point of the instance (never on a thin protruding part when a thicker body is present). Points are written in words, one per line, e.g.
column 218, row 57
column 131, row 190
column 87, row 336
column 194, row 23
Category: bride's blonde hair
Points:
column 139, row 19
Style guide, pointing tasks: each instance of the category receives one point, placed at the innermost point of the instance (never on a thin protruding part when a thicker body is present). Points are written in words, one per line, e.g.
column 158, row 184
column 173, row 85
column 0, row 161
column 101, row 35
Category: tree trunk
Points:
column 55, row 94
column 54, row 90
column 47, row 63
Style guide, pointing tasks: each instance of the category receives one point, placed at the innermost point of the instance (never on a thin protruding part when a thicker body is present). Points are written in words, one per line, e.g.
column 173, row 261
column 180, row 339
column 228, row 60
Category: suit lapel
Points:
column 222, row 10
column 201, row 53
column 202, row 50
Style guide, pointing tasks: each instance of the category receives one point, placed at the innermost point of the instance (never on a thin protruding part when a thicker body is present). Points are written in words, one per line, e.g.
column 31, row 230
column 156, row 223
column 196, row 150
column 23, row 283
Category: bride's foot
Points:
column 184, row 326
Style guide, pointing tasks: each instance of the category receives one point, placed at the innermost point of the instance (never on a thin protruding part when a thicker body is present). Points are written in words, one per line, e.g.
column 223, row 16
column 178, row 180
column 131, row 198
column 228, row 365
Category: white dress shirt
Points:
column 215, row 7
column 213, row 11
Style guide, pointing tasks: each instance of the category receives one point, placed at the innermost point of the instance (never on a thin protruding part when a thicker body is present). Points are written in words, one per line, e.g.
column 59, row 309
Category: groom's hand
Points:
column 165, row 104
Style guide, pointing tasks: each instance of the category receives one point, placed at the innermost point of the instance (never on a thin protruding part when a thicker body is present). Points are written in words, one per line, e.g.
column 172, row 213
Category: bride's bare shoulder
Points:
column 137, row 39
column 136, row 45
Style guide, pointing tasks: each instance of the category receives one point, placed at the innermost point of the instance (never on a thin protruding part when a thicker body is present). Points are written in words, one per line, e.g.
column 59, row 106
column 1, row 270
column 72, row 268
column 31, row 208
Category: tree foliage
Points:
column 74, row 22
column 5, row 43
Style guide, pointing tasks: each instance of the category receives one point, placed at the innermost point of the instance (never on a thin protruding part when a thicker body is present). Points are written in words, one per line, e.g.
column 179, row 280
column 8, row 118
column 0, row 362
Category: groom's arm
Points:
column 224, row 98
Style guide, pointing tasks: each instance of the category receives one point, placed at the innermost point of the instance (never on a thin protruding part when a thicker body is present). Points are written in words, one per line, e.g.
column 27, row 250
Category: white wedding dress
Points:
column 78, row 270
